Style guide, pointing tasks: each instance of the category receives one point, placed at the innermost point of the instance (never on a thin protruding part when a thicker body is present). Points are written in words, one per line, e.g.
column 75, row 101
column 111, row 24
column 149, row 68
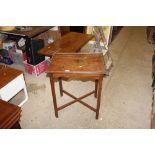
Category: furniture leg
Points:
column 16, row 126
column 60, row 86
column 54, row 95
column 96, row 83
column 99, row 90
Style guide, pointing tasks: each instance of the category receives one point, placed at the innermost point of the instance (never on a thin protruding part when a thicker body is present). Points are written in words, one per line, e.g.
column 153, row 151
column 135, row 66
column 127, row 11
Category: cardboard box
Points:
column 36, row 69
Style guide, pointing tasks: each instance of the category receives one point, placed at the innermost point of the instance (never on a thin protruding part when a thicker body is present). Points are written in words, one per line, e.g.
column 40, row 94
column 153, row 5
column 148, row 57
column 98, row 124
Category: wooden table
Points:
column 11, row 82
column 9, row 115
column 88, row 66
column 70, row 43
column 35, row 30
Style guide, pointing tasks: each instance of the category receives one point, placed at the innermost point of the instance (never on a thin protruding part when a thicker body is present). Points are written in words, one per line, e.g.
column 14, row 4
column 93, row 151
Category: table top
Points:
column 69, row 43
column 36, row 30
column 76, row 63
column 7, row 74
column 9, row 114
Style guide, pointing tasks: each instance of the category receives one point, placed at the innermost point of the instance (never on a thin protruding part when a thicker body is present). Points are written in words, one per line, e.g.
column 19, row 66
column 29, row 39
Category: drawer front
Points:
column 12, row 88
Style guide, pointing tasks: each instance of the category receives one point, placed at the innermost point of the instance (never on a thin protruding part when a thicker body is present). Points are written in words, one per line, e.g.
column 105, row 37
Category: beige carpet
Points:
column 126, row 96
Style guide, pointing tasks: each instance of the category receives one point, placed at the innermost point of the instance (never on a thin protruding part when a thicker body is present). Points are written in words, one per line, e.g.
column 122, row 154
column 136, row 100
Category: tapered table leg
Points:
column 54, row 95
column 96, row 83
column 99, row 90
column 60, row 86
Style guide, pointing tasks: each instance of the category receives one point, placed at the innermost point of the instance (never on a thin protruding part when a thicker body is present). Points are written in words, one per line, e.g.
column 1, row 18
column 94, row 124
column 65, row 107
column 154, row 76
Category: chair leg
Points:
column 60, row 86
column 99, row 90
column 54, row 96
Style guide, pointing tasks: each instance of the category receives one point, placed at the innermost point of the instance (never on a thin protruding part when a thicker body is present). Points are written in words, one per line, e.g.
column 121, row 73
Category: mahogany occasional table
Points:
column 88, row 66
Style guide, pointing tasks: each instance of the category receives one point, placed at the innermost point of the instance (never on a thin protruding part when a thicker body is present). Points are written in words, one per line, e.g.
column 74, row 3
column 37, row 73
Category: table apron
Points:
column 80, row 76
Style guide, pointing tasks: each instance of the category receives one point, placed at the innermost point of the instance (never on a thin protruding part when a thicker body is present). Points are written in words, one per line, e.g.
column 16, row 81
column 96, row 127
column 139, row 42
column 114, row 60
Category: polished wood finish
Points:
column 7, row 74
column 69, row 43
column 36, row 30
column 89, row 66
column 9, row 114
column 77, row 63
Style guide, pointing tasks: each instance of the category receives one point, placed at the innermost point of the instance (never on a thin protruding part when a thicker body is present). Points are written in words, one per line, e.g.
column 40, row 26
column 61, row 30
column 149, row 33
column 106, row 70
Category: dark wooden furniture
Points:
column 88, row 66
column 33, row 32
column 80, row 29
column 9, row 115
column 67, row 29
column 69, row 43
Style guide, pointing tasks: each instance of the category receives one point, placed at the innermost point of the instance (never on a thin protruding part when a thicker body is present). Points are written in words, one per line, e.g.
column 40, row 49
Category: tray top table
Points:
column 89, row 66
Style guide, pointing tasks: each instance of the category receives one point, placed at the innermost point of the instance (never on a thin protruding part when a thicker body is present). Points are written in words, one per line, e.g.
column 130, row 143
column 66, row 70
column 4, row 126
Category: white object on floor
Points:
column 12, row 88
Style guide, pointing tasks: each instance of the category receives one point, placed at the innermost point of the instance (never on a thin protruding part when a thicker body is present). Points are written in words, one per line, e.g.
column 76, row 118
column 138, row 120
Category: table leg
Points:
column 96, row 83
column 16, row 126
column 54, row 95
column 60, row 86
column 99, row 90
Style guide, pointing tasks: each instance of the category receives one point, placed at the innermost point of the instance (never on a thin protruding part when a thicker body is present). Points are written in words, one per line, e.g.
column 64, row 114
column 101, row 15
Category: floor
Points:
column 126, row 96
